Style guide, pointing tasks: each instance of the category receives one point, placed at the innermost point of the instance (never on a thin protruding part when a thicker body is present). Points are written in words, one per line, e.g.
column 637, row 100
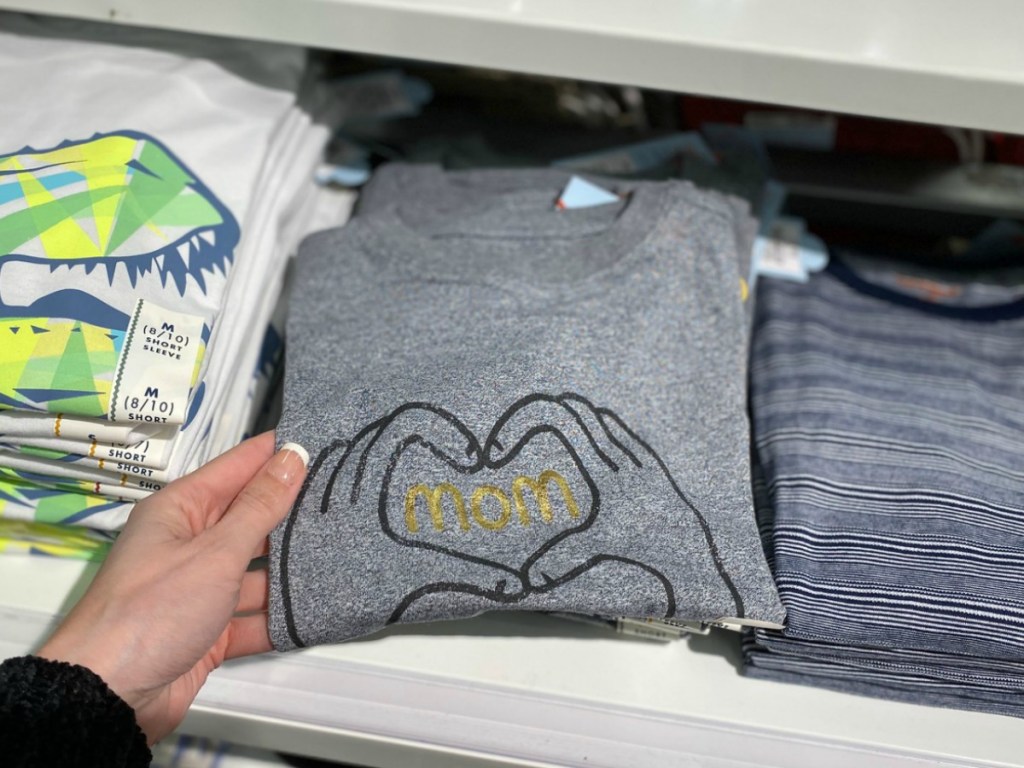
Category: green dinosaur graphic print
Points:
column 85, row 228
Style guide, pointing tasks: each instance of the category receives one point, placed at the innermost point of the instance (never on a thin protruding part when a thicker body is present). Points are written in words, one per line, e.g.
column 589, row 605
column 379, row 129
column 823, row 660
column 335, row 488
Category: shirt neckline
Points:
column 987, row 313
column 387, row 235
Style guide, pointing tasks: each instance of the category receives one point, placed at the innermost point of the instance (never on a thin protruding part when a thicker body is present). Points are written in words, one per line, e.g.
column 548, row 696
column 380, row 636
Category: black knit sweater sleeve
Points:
column 58, row 714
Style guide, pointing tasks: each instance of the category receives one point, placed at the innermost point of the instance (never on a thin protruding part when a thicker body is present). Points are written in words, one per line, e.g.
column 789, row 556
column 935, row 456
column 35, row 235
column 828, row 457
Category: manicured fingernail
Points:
column 299, row 451
column 285, row 465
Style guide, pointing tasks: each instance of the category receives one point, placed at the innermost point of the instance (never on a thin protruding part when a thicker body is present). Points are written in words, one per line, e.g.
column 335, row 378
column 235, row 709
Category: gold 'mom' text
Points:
column 501, row 507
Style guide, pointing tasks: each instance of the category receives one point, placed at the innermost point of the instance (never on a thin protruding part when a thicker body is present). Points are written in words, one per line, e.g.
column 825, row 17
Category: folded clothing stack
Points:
column 149, row 200
column 516, row 407
column 888, row 409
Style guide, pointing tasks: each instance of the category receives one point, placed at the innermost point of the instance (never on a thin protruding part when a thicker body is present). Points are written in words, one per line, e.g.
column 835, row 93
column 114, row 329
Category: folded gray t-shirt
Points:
column 434, row 198
column 521, row 412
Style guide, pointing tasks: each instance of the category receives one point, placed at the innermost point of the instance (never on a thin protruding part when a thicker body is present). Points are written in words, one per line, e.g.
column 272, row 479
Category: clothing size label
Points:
column 154, row 372
column 92, row 430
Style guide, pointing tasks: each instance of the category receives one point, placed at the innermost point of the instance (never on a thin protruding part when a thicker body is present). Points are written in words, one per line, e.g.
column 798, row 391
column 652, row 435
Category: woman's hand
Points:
column 174, row 598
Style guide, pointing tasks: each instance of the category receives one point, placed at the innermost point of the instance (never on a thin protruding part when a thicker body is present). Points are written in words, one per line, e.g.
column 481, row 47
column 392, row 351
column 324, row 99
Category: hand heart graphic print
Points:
column 559, row 491
column 518, row 408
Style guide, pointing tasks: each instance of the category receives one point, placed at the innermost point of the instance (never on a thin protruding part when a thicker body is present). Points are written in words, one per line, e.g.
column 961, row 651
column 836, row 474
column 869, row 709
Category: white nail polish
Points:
column 299, row 451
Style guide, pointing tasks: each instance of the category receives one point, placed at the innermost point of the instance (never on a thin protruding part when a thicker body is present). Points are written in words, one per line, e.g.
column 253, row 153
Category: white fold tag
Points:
column 154, row 372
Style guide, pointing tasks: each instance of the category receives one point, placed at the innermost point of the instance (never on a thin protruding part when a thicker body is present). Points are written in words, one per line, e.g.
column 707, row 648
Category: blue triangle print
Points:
column 10, row 401
column 12, row 499
column 34, row 493
column 46, row 395
column 88, row 511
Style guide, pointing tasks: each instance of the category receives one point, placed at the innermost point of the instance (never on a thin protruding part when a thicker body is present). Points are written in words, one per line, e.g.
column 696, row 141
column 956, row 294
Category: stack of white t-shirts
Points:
column 319, row 207
column 152, row 186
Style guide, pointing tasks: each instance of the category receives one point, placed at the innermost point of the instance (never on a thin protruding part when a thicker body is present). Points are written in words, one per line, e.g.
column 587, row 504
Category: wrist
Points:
column 101, row 659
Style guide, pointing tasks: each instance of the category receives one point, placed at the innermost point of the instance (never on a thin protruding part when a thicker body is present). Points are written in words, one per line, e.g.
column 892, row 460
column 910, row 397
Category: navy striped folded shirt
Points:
column 879, row 682
column 888, row 414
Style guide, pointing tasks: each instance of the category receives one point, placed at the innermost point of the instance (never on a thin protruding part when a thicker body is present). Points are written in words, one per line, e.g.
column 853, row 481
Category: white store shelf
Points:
column 940, row 61
column 530, row 691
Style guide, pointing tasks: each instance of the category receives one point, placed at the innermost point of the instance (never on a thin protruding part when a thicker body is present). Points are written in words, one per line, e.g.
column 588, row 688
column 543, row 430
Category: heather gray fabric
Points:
column 520, row 411
column 435, row 198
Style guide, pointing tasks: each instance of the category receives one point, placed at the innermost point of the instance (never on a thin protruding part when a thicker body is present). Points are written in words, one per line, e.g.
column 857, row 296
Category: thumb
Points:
column 264, row 501
column 434, row 428
column 556, row 561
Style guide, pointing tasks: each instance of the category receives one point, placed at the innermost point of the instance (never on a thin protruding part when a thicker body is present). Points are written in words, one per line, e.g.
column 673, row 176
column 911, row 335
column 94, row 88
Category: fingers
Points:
column 415, row 424
column 608, row 429
column 262, row 503
column 253, row 593
column 583, row 436
column 247, row 636
column 552, row 565
column 262, row 550
column 212, row 487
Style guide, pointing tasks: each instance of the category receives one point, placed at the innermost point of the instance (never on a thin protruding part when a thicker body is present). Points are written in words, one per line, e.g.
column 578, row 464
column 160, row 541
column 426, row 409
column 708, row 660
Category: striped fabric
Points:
column 882, row 683
column 888, row 416
column 972, row 671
